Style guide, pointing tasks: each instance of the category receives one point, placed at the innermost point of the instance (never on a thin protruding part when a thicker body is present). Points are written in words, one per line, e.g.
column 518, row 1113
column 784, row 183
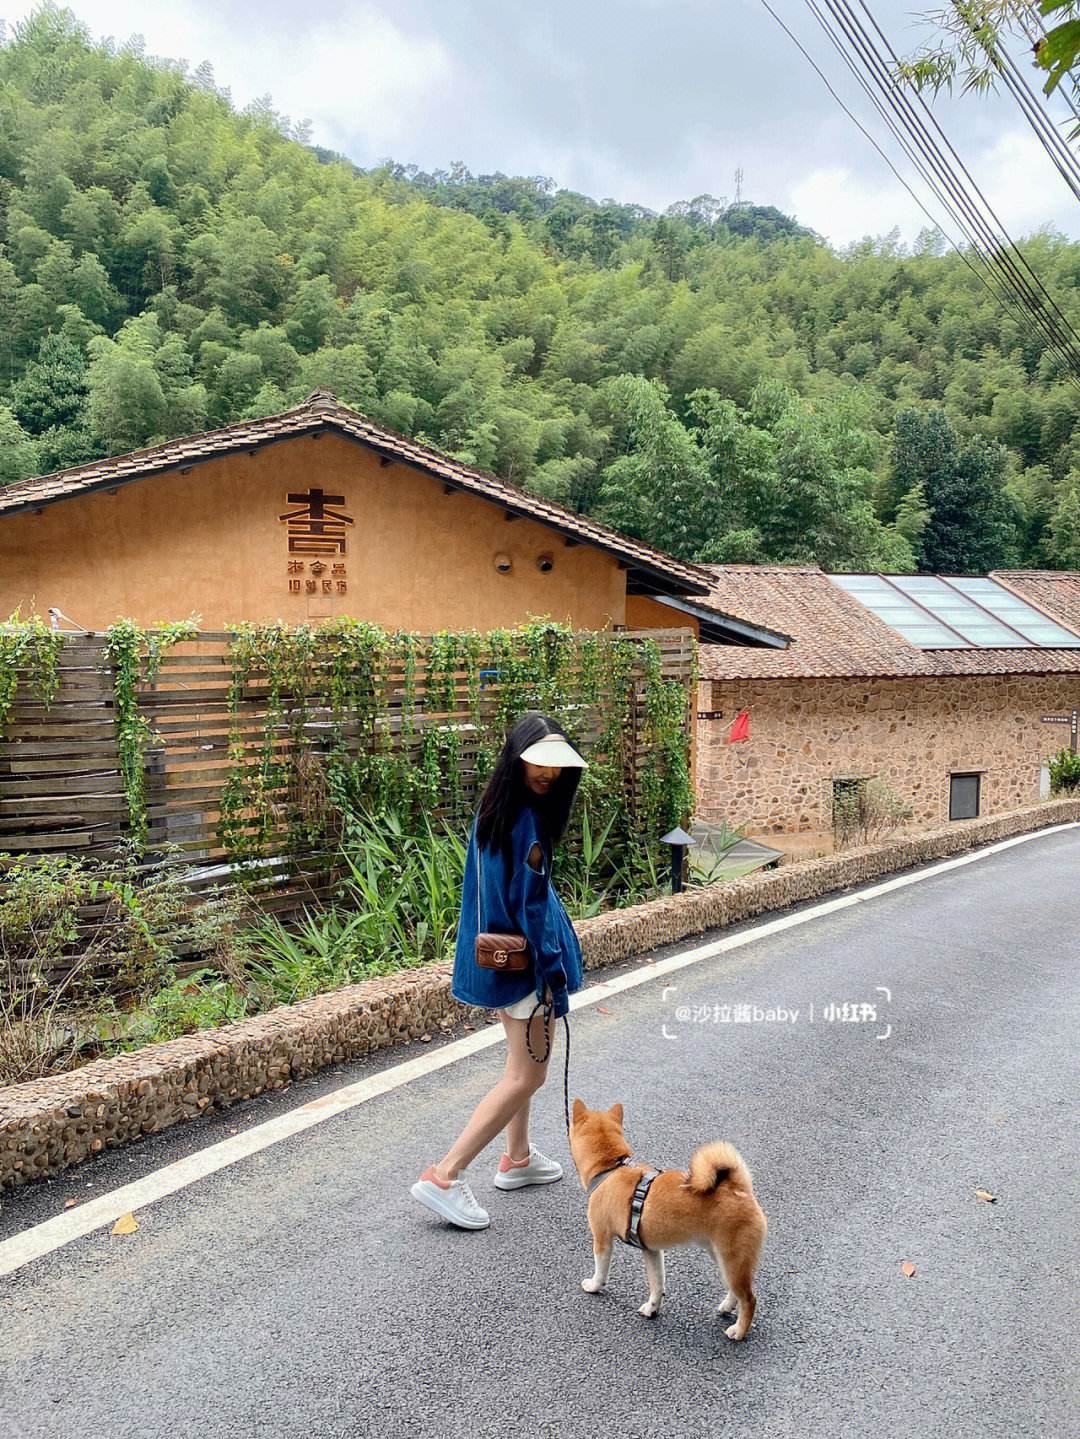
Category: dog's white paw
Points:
column 649, row 1309
column 728, row 1305
column 592, row 1285
column 732, row 1331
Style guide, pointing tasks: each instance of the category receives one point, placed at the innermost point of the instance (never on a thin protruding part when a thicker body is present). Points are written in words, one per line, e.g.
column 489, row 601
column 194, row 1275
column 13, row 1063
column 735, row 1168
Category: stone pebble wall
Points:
column 49, row 1124
column 911, row 733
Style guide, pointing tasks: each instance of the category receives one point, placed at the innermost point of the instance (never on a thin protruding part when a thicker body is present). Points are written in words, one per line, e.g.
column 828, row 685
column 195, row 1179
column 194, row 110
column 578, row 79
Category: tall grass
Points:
column 397, row 906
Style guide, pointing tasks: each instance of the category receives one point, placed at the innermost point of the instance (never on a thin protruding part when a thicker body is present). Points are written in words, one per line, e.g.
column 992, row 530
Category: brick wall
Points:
column 911, row 733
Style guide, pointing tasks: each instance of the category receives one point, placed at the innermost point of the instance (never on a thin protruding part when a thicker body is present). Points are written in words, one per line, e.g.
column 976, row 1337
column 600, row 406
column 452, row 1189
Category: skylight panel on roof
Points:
column 976, row 585
column 1039, row 629
column 1050, row 636
column 993, row 637
column 914, row 584
column 857, row 584
column 930, row 636
column 900, row 612
column 956, row 612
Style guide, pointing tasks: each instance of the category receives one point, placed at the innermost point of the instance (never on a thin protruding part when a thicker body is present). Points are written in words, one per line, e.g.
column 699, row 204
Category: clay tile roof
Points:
column 323, row 411
column 833, row 634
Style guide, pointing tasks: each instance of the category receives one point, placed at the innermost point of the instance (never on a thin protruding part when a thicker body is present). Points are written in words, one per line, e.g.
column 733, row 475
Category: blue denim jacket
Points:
column 518, row 901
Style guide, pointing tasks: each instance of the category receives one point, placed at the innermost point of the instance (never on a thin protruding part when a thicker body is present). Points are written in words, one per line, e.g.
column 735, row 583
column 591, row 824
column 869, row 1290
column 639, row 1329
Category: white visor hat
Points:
column 555, row 752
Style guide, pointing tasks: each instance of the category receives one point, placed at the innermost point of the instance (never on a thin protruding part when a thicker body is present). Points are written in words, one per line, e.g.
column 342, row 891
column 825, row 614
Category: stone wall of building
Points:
column 910, row 733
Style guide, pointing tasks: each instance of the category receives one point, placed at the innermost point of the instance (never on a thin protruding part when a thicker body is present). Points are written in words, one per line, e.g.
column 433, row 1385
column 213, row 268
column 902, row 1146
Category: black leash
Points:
column 543, row 1058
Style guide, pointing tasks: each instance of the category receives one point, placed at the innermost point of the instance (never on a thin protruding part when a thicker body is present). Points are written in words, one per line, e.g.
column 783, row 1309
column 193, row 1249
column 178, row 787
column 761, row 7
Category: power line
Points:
column 934, row 164
column 998, row 273
column 951, row 182
column 859, row 125
column 989, row 224
column 987, row 276
column 1046, row 132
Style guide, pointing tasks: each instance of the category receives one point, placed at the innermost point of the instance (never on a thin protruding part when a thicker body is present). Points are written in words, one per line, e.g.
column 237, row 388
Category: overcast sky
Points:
column 641, row 100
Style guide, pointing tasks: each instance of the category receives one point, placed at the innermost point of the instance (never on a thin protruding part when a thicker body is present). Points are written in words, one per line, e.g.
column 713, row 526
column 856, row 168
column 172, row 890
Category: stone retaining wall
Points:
column 49, row 1124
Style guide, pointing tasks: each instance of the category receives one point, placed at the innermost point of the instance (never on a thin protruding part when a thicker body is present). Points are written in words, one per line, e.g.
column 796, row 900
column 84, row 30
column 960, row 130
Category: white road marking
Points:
column 41, row 1239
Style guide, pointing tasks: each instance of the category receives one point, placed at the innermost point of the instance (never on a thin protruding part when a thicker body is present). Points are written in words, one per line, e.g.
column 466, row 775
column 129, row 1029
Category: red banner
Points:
column 740, row 727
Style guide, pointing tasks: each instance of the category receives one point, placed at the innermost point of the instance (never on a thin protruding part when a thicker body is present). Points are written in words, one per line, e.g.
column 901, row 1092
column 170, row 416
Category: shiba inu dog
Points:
column 712, row 1204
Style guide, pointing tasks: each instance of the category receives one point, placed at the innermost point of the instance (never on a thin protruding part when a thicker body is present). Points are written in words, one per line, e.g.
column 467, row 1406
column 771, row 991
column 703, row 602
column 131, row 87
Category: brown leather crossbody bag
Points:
column 507, row 952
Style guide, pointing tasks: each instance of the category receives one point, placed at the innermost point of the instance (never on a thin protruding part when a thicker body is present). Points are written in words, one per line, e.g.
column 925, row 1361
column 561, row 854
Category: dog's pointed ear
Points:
column 616, row 1113
column 578, row 1110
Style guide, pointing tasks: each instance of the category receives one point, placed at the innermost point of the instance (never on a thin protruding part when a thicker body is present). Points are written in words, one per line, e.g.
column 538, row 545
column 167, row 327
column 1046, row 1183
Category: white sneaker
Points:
column 454, row 1201
column 538, row 1169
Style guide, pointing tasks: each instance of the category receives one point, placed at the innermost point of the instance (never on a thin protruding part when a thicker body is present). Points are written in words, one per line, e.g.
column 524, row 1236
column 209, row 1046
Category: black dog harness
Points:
column 637, row 1200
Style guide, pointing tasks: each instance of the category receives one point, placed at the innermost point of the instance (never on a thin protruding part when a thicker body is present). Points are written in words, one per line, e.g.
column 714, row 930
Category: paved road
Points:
column 301, row 1293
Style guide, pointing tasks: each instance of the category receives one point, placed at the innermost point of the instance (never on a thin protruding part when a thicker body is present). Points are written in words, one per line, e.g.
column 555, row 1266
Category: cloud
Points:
column 1013, row 173
column 1023, row 186
column 354, row 71
column 845, row 206
column 646, row 101
column 363, row 75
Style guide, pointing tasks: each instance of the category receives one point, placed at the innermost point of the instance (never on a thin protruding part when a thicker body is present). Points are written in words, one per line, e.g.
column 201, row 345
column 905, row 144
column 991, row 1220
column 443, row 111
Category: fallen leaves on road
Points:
column 985, row 1194
column 907, row 1268
column 70, row 1203
column 126, row 1224
column 601, row 1010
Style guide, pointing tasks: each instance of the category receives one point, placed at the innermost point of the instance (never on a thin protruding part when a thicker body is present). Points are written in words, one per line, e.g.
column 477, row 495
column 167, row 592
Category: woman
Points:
column 507, row 889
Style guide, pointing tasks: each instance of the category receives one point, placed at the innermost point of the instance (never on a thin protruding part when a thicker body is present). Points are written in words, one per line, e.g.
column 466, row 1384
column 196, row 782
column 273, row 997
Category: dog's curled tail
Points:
column 715, row 1164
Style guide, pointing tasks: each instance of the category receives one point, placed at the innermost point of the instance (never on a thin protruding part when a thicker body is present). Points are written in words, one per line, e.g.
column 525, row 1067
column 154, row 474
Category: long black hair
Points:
column 506, row 791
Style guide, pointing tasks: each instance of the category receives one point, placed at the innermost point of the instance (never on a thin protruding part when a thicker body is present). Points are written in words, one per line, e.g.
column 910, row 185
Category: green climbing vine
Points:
column 331, row 721
column 355, row 719
column 666, row 795
column 133, row 656
column 29, row 655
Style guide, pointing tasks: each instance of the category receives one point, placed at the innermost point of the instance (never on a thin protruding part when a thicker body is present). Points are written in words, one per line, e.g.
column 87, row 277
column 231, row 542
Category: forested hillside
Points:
column 715, row 380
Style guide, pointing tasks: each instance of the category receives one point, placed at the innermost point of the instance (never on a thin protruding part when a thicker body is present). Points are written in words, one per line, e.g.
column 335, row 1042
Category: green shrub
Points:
column 396, row 905
column 201, row 1000
column 44, row 1021
column 585, row 877
column 317, row 952
column 710, row 859
column 864, row 811
column 76, row 935
column 1064, row 771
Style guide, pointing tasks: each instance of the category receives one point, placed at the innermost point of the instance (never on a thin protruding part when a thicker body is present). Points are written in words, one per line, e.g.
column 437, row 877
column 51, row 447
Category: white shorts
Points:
column 523, row 1008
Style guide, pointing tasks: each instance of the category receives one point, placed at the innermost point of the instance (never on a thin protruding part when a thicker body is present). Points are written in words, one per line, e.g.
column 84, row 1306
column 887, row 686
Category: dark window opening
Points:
column 964, row 796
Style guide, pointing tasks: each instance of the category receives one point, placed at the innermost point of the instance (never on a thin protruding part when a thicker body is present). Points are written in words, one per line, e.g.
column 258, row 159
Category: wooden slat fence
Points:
column 60, row 783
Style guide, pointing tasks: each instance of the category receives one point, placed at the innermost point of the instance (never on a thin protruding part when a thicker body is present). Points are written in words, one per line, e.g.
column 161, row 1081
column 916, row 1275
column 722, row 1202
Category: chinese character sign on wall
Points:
column 316, row 528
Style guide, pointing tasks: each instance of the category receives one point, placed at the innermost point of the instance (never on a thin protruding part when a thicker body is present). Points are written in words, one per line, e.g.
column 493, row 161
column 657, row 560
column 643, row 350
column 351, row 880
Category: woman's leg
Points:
column 517, row 1129
column 507, row 1103
column 517, row 1132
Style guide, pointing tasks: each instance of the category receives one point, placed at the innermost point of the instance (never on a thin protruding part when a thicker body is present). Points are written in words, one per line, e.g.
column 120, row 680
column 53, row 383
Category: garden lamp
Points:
column 680, row 842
